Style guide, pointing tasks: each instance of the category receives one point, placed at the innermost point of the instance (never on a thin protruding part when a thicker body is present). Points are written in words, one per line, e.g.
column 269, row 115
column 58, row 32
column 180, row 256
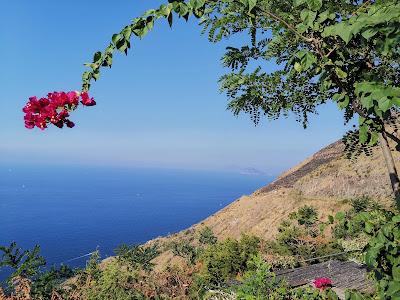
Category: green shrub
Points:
column 114, row 283
column 350, row 225
column 383, row 254
column 302, row 236
column 207, row 237
column 361, row 204
column 24, row 263
column 382, row 251
column 185, row 250
column 347, row 225
column 261, row 283
column 306, row 215
column 92, row 267
column 313, row 294
column 224, row 260
column 49, row 281
column 137, row 256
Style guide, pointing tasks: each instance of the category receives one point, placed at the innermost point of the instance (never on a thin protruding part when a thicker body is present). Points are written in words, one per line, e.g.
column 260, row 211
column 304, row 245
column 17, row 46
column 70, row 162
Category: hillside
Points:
column 326, row 180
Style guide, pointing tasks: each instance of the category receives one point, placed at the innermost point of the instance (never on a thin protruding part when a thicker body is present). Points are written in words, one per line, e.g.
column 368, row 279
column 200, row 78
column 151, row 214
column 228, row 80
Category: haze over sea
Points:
column 71, row 211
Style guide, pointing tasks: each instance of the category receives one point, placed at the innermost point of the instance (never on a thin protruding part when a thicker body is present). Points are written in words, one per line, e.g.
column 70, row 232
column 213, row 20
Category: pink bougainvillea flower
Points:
column 40, row 121
column 69, row 123
column 55, row 109
column 86, row 100
column 29, row 120
column 322, row 283
column 73, row 98
column 32, row 106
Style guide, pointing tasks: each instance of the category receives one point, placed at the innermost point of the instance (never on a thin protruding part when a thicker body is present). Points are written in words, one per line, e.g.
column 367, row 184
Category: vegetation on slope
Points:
column 232, row 268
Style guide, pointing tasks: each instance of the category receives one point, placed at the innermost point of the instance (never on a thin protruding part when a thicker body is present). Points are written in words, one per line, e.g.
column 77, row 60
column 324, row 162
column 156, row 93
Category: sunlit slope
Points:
column 326, row 180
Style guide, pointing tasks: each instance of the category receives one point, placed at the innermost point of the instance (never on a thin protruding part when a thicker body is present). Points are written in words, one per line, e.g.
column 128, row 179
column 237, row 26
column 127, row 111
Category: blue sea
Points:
column 71, row 211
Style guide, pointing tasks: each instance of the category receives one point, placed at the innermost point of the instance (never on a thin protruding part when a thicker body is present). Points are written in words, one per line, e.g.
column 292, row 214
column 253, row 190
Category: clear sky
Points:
column 158, row 107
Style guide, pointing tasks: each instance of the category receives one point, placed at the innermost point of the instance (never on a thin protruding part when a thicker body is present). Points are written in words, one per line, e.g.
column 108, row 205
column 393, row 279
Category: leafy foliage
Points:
column 302, row 237
column 137, row 256
column 186, row 250
column 48, row 282
column 383, row 254
column 353, row 149
column 225, row 260
column 260, row 282
column 306, row 215
column 25, row 263
column 207, row 237
column 381, row 251
column 113, row 283
column 231, row 269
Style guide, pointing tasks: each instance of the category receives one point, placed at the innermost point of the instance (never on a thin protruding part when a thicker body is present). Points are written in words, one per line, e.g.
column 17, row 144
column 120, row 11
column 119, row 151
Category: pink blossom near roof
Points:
column 322, row 283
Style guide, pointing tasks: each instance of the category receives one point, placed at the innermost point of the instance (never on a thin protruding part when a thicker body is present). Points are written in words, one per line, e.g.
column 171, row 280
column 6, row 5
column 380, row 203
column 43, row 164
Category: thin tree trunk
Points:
column 394, row 177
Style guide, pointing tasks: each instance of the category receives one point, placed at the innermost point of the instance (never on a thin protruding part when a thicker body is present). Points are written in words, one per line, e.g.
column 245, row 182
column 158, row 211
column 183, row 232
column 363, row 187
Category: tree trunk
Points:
column 394, row 177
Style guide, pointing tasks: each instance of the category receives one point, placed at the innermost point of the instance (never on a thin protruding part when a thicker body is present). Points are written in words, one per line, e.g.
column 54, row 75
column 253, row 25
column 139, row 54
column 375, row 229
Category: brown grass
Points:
column 326, row 181
column 22, row 290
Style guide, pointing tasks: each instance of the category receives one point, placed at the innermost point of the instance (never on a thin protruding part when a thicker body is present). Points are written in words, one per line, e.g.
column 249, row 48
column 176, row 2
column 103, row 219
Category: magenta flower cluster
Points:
column 54, row 109
column 322, row 283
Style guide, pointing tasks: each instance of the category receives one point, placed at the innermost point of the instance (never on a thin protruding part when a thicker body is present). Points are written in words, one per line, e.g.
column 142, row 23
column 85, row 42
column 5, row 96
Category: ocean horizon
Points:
column 72, row 211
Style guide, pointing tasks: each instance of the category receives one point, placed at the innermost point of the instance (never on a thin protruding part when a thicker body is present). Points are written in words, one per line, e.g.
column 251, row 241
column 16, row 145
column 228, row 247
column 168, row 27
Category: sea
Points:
column 72, row 211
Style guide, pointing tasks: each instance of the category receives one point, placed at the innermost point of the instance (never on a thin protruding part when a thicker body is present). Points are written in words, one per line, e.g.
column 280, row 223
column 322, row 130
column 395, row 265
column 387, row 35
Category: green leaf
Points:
column 369, row 227
column 183, row 9
column 300, row 54
column 127, row 32
column 170, row 18
column 150, row 23
column 344, row 103
column 297, row 66
column 374, row 139
column 297, row 3
column 331, row 219
column 323, row 16
column 396, row 273
column 370, row 257
column 340, row 73
column 252, row 4
column 384, row 104
column 352, row 295
column 308, row 17
column 393, row 288
column 340, row 215
column 369, row 33
column 308, row 60
column 338, row 97
column 115, row 38
column 96, row 75
column 367, row 102
column 314, row 4
column 86, row 75
column 301, row 28
column 165, row 10
column 363, row 133
column 97, row 57
column 342, row 29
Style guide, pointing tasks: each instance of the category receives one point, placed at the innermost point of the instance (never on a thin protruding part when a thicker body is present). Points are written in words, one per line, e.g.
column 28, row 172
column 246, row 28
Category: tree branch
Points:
column 288, row 26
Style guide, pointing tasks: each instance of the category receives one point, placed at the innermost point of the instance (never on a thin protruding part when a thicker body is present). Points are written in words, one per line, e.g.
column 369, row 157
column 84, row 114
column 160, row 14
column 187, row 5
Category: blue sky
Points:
column 158, row 107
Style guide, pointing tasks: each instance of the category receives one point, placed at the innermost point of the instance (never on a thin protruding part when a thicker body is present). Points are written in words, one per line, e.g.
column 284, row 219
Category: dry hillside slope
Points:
column 325, row 180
